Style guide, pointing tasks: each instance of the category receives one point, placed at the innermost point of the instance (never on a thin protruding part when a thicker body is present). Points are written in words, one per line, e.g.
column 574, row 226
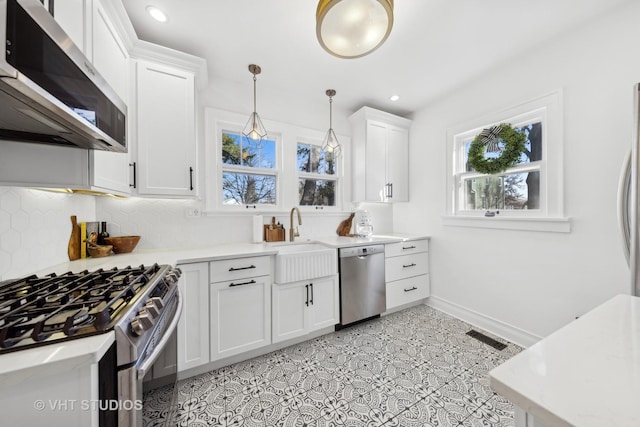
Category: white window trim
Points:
column 287, row 196
column 550, row 216
column 337, row 178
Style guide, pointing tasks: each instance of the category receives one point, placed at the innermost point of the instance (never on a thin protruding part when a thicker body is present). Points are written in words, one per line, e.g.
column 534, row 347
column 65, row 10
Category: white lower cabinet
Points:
column 303, row 307
column 406, row 272
column 240, row 316
column 193, row 327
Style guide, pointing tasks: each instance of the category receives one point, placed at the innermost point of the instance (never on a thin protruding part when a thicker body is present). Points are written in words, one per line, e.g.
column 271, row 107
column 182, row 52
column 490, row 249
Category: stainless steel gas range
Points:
column 140, row 304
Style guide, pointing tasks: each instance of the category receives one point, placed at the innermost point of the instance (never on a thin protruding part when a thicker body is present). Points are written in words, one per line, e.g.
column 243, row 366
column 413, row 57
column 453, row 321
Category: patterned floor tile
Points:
column 377, row 373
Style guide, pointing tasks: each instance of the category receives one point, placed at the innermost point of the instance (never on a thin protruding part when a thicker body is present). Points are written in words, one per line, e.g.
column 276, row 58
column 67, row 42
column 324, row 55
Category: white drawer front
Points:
column 406, row 248
column 407, row 290
column 238, row 268
column 401, row 267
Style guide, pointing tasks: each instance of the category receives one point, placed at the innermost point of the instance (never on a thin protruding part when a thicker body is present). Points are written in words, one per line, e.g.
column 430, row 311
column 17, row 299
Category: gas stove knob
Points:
column 157, row 302
column 141, row 323
column 151, row 308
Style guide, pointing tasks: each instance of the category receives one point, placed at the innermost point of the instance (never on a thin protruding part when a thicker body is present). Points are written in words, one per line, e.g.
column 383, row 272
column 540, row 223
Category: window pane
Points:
column 316, row 192
column 247, row 189
column 533, row 146
column 239, row 150
column 313, row 159
column 511, row 191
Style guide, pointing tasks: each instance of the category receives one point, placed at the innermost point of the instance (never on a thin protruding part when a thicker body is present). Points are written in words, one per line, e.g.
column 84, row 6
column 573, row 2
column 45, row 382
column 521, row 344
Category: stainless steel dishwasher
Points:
column 362, row 283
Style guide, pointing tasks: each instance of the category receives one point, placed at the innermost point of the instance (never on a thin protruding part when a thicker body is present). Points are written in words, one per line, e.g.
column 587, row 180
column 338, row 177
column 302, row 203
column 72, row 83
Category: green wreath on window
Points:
column 487, row 141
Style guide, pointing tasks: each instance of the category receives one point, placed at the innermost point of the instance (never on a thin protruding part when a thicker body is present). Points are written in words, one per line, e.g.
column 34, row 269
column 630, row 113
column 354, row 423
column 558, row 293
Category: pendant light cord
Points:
column 254, row 93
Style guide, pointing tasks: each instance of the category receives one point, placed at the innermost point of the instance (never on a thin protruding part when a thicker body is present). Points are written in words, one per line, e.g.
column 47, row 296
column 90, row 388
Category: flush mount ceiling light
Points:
column 353, row 28
column 331, row 144
column 254, row 128
column 156, row 14
column 394, row 98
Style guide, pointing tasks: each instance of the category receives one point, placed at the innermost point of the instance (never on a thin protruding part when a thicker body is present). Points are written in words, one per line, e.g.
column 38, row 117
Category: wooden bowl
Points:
column 98, row 251
column 122, row 244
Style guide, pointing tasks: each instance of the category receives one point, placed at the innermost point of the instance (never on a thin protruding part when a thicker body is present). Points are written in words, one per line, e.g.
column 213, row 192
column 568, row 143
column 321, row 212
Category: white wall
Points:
column 528, row 284
column 35, row 228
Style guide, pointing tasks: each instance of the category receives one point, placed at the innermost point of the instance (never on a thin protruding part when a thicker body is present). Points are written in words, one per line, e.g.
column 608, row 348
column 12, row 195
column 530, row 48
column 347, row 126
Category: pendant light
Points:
column 254, row 129
column 353, row 28
column 331, row 144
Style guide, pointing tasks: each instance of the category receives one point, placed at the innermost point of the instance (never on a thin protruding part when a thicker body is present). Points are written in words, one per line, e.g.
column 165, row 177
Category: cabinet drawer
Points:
column 407, row 290
column 238, row 268
column 402, row 267
column 406, row 248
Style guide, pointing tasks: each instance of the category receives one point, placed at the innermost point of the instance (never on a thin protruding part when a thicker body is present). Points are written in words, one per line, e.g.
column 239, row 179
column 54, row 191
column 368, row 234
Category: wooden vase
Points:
column 74, row 240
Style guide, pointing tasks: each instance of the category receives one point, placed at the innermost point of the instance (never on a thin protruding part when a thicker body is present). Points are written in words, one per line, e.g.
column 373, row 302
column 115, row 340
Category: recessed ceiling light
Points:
column 394, row 98
column 156, row 14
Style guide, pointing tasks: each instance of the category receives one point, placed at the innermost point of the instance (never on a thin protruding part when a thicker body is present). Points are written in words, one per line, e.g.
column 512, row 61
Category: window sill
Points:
column 554, row 225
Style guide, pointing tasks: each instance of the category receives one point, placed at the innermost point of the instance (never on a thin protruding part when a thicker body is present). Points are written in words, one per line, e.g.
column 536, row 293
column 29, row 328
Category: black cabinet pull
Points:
column 409, row 265
column 391, row 191
column 250, row 282
column 250, row 206
column 311, row 286
column 133, row 165
column 408, row 247
column 190, row 178
column 307, row 303
column 242, row 268
column 410, row 289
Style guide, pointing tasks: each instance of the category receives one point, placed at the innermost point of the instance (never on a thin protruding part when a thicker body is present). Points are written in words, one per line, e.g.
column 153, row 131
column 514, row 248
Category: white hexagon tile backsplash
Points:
column 35, row 227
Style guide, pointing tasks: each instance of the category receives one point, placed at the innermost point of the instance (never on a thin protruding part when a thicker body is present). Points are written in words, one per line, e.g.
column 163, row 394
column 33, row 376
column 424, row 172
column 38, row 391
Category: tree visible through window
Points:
column 317, row 176
column 517, row 188
column 248, row 170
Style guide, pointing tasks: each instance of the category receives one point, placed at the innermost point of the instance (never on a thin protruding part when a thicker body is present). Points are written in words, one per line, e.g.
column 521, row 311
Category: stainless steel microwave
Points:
column 49, row 91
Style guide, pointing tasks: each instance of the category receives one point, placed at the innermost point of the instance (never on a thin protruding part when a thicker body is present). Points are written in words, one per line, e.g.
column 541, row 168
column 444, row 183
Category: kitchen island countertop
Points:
column 585, row 374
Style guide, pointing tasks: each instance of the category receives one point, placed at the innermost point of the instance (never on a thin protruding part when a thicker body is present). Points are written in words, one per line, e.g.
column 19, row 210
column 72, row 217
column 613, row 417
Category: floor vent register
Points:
column 487, row 340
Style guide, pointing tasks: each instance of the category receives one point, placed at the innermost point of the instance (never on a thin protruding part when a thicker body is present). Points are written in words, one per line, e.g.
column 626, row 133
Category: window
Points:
column 317, row 176
column 517, row 188
column 249, row 170
column 527, row 196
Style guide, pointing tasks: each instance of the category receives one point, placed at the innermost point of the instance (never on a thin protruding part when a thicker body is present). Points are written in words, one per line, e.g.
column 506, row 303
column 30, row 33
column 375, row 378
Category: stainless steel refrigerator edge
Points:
column 628, row 197
column 362, row 283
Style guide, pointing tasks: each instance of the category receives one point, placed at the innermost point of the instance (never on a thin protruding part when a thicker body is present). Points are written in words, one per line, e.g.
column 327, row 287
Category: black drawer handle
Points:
column 190, row 178
column 410, row 289
column 311, row 300
column 242, row 268
column 409, row 265
column 307, row 302
column 250, row 282
column 133, row 165
column 408, row 247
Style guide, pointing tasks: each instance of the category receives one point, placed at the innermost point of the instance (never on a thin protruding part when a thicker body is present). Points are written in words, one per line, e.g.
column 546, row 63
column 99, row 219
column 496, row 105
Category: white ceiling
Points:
column 435, row 45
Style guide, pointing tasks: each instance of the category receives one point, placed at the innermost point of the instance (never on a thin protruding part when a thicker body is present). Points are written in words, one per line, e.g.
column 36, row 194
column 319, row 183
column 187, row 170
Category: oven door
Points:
column 151, row 381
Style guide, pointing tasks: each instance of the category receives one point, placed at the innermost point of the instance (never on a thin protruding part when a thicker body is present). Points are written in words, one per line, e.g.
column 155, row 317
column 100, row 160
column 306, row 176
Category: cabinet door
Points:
column 289, row 310
column 166, row 144
column 193, row 327
column 110, row 171
column 70, row 15
column 240, row 316
column 375, row 160
column 398, row 164
column 324, row 308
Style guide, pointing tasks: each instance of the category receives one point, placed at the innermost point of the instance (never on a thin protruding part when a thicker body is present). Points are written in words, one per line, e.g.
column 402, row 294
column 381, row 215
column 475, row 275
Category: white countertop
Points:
column 22, row 365
column 91, row 349
column 212, row 253
column 586, row 374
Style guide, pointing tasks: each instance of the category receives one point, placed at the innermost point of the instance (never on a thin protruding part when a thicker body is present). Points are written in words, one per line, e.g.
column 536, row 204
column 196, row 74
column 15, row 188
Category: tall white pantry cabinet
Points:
column 380, row 162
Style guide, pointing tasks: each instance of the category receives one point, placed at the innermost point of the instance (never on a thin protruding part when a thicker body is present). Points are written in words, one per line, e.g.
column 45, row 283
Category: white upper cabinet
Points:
column 110, row 171
column 380, row 156
column 71, row 15
column 166, row 134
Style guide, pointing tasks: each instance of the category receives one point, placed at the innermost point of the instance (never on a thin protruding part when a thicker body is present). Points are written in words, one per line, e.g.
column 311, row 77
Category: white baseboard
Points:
column 489, row 324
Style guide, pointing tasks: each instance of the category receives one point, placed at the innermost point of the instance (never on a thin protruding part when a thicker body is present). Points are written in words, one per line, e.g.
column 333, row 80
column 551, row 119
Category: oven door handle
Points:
column 148, row 363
